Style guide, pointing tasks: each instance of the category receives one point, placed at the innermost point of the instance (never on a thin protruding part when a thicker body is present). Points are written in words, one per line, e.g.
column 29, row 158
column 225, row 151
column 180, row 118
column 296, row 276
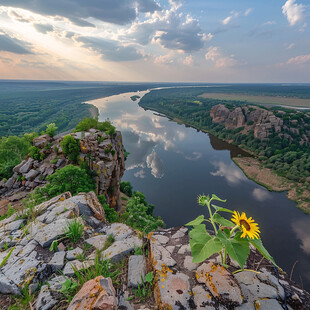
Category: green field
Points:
column 272, row 100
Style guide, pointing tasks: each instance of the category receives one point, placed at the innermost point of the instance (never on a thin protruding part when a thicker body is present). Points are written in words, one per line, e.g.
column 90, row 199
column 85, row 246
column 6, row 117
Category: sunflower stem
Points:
column 211, row 216
column 225, row 256
column 233, row 230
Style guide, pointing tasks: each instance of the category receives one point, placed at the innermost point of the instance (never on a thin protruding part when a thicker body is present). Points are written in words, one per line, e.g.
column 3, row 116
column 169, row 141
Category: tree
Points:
column 51, row 129
column 70, row 147
column 126, row 188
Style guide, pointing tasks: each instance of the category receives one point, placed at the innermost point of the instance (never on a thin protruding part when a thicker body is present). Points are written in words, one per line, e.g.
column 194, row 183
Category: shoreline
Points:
column 294, row 192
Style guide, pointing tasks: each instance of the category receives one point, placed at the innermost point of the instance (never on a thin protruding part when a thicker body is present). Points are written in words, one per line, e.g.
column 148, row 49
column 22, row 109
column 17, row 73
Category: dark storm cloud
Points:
column 12, row 45
column 109, row 49
column 119, row 12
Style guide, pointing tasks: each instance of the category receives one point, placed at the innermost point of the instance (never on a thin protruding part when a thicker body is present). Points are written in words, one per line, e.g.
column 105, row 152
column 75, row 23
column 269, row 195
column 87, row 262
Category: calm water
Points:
column 172, row 164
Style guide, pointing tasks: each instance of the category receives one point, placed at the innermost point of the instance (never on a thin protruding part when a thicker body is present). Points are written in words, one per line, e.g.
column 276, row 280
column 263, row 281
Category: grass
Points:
column 74, row 230
column 24, row 301
column 144, row 289
column 272, row 100
column 109, row 242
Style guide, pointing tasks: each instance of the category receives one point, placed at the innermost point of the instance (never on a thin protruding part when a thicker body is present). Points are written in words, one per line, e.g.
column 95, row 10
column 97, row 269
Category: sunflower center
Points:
column 245, row 224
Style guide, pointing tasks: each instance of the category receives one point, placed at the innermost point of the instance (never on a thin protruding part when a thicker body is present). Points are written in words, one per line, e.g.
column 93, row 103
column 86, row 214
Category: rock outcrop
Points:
column 261, row 121
column 178, row 282
column 103, row 153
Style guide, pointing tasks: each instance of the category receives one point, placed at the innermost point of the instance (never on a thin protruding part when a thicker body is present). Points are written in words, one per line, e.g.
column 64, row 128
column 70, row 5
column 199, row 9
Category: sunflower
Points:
column 248, row 226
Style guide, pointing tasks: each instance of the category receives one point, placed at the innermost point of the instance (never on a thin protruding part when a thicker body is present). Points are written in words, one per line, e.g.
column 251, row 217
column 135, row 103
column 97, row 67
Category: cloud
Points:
column 195, row 156
column 295, row 13
column 215, row 55
column 140, row 174
column 156, row 165
column 171, row 29
column 233, row 15
column 289, row 46
column 299, row 60
column 261, row 194
column 13, row 45
column 110, row 50
column 43, row 28
column 119, row 12
column 188, row 60
column 231, row 173
column 302, row 231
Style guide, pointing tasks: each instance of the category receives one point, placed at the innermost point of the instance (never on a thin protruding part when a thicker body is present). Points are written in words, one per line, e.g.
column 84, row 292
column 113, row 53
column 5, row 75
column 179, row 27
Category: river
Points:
column 172, row 164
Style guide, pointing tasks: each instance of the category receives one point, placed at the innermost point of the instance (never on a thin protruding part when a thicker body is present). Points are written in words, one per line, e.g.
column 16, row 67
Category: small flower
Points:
column 248, row 226
column 202, row 200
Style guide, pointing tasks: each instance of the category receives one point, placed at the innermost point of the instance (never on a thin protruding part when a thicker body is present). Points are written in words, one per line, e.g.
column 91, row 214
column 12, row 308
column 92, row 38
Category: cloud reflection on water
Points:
column 230, row 172
column 302, row 231
column 261, row 194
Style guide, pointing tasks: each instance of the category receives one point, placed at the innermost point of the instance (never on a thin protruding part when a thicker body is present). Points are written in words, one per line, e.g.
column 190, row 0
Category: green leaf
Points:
column 238, row 250
column 199, row 234
column 203, row 250
column 220, row 209
column 149, row 277
column 217, row 198
column 259, row 246
column 222, row 221
column 196, row 222
column 7, row 257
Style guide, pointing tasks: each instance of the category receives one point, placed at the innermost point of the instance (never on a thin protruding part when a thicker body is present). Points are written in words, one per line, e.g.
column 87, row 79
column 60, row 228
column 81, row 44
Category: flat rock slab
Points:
column 97, row 293
column 220, row 282
column 136, row 270
column 119, row 231
column 45, row 301
column 253, row 289
column 72, row 254
column 47, row 234
column 119, row 249
column 97, row 241
column 57, row 261
column 174, row 292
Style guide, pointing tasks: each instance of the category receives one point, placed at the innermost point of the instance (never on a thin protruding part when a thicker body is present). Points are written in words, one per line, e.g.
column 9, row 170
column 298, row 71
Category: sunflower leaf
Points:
column 222, row 221
column 202, row 244
column 220, row 209
column 259, row 246
column 238, row 250
column 196, row 221
column 217, row 198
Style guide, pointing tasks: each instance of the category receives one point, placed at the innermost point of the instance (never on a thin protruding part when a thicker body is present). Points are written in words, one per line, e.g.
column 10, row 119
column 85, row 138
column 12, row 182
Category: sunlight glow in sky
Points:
column 156, row 40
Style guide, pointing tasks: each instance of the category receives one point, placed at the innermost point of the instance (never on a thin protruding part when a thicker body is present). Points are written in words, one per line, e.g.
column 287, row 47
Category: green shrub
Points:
column 74, row 230
column 89, row 123
column 138, row 214
column 70, row 147
column 110, row 214
column 34, row 152
column 126, row 188
column 51, row 129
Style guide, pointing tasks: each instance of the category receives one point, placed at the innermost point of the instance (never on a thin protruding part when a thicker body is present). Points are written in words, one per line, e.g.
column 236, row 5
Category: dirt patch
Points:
column 255, row 171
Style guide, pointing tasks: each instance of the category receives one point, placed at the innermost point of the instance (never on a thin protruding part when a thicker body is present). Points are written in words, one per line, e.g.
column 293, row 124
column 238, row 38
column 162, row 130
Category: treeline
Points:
column 288, row 159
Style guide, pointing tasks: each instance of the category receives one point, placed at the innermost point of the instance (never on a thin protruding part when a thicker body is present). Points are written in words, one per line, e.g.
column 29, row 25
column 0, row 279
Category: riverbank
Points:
column 255, row 170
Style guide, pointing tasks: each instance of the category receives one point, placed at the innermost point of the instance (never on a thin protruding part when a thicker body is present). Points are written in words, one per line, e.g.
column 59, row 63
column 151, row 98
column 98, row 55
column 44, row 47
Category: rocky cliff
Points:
column 263, row 122
column 103, row 153
column 178, row 282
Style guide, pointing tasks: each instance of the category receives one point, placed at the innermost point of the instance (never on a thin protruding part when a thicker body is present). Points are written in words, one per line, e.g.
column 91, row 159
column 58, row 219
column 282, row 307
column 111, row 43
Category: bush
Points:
column 126, row 188
column 51, row 129
column 89, row 123
column 137, row 214
column 34, row 152
column 68, row 178
column 110, row 214
column 70, row 147
column 74, row 230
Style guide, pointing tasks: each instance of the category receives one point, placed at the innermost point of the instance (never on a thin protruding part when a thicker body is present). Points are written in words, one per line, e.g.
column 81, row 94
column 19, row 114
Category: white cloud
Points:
column 231, row 173
column 154, row 162
column 302, row 231
column 215, row 55
column 140, row 174
column 195, row 156
column 188, row 60
column 234, row 15
column 270, row 22
column 299, row 60
column 295, row 13
column 261, row 194
column 289, row 46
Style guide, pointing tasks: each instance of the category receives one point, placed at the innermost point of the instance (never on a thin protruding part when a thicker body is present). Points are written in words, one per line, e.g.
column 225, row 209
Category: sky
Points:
column 215, row 41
